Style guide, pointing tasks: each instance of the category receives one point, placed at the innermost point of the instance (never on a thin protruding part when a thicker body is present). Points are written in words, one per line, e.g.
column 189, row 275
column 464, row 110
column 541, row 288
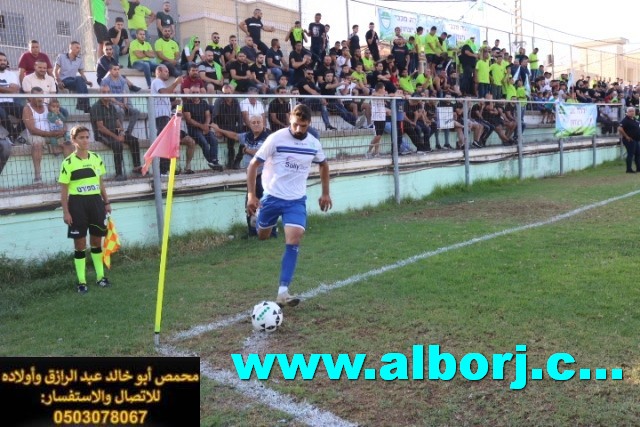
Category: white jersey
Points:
column 287, row 163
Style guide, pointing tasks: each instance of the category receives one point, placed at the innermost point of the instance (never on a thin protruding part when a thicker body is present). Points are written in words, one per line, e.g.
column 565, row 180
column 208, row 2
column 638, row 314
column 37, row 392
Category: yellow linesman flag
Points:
column 111, row 243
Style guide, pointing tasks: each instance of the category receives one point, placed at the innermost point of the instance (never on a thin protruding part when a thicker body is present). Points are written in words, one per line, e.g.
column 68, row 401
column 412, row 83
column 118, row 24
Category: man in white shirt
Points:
column 163, row 104
column 9, row 83
column 252, row 106
column 287, row 156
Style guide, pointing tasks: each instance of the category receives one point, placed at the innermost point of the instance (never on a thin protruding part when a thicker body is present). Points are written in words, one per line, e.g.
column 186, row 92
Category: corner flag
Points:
column 166, row 145
column 111, row 243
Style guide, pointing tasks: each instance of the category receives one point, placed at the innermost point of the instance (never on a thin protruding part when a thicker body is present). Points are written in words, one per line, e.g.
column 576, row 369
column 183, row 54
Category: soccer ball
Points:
column 266, row 316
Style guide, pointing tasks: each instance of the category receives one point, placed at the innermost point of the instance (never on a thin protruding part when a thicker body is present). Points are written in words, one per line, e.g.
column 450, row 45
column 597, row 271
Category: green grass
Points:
column 569, row 287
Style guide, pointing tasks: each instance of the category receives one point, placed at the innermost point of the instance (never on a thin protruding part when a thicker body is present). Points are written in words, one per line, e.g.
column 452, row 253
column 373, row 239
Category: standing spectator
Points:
column 498, row 73
column 108, row 129
column 401, row 54
column 99, row 15
column 35, row 117
column 378, row 116
column 85, row 205
column 27, row 61
column 468, row 61
column 118, row 86
column 211, row 73
column 138, row 17
column 354, row 40
column 279, row 110
column 296, row 34
column 318, row 38
column 482, row 77
column 164, row 19
column 327, row 27
column 274, row 61
column 217, row 49
column 285, row 188
column 192, row 83
column 198, row 118
column 119, row 38
column 534, row 64
column 9, row 83
column 168, row 52
column 66, row 71
column 141, row 56
column 227, row 115
column 253, row 27
column 372, row 42
column 192, row 53
column 629, row 130
column 163, row 104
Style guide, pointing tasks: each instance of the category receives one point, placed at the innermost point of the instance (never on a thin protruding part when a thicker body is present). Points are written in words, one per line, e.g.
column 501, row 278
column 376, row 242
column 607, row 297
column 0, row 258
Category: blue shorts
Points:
column 293, row 212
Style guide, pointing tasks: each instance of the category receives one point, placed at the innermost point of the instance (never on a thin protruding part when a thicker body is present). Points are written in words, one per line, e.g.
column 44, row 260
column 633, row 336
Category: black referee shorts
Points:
column 87, row 213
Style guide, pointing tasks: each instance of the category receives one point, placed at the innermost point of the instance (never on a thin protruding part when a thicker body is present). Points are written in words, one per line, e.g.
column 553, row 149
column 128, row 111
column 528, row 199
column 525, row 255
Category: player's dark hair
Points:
column 302, row 112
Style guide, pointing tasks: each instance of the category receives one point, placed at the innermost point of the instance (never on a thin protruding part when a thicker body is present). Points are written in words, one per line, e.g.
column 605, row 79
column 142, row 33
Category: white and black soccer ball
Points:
column 266, row 316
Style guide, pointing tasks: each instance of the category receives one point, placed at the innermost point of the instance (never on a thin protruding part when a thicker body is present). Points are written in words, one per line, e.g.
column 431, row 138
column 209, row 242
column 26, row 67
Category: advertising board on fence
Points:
column 575, row 120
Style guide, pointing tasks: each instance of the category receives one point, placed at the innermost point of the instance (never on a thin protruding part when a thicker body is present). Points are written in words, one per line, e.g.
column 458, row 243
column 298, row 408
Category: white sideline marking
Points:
column 302, row 411
column 324, row 288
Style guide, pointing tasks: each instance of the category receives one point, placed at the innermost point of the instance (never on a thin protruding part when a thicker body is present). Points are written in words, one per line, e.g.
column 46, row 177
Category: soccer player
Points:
column 84, row 205
column 287, row 156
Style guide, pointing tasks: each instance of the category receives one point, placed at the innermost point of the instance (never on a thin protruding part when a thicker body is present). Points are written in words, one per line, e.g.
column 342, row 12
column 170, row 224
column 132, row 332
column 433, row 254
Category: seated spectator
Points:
column 192, row 53
column 231, row 51
column 168, row 52
column 211, row 73
column 227, row 115
column 142, row 56
column 40, row 79
column 27, row 61
column 104, row 65
column 252, row 106
column 192, row 83
column 217, row 49
column 298, row 62
column 118, row 85
column 240, row 75
column 9, row 83
column 260, row 74
column 279, row 111
column 249, row 49
column 139, row 16
column 66, row 71
column 274, row 61
column 330, row 87
column 309, row 87
column 198, row 118
column 119, row 38
column 35, row 117
column 108, row 129
column 359, row 79
column 58, row 121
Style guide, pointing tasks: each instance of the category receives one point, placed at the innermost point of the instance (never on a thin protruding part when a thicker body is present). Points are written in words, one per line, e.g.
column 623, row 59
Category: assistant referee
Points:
column 85, row 205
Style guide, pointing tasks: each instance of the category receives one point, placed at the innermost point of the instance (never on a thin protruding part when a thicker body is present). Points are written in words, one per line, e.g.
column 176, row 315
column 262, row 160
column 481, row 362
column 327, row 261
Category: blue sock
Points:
column 289, row 261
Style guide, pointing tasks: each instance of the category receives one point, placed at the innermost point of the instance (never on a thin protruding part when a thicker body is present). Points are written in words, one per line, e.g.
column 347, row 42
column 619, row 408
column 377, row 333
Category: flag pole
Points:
column 165, row 247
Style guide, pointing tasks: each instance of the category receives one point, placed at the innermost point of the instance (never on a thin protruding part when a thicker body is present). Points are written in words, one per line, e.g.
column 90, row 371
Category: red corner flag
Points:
column 166, row 145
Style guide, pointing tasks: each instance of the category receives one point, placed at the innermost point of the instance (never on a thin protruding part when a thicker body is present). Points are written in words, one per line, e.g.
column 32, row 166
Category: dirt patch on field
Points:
column 521, row 210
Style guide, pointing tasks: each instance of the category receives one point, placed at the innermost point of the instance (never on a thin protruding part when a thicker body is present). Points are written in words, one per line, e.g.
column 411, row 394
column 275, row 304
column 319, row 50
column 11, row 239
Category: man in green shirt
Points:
column 168, row 52
column 141, row 56
column 99, row 15
column 85, row 205
column 534, row 63
column 432, row 49
column 483, row 79
column 138, row 16
column 497, row 72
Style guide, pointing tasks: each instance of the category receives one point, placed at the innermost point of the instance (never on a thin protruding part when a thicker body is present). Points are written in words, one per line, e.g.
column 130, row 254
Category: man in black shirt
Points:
column 298, row 62
column 226, row 113
column 259, row 73
column 354, row 40
column 309, row 87
column 217, row 49
column 279, row 110
column 318, row 38
column 253, row 27
column 275, row 63
column 468, row 61
column 372, row 42
column 629, row 130
column 119, row 38
column 198, row 118
column 239, row 71
column 401, row 55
